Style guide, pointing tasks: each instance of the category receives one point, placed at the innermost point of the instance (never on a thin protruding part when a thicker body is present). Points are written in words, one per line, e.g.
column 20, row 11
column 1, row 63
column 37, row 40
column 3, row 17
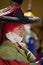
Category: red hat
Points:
column 10, row 26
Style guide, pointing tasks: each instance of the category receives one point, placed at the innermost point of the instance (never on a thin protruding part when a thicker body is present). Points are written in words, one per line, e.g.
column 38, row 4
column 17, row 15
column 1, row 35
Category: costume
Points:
column 13, row 10
column 10, row 54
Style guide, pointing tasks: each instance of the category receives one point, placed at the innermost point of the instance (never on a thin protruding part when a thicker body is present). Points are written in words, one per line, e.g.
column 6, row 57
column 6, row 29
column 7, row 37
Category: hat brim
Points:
column 23, row 20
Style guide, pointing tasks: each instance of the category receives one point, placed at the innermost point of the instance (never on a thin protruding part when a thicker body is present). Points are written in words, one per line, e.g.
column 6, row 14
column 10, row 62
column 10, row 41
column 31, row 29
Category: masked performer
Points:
column 13, row 51
column 13, row 48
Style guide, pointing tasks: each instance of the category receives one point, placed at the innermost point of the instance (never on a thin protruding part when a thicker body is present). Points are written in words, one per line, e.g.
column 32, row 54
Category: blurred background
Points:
column 37, row 10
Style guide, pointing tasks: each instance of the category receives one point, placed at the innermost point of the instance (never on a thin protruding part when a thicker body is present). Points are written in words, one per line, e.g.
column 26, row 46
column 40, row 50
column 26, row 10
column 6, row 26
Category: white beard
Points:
column 13, row 37
column 27, row 28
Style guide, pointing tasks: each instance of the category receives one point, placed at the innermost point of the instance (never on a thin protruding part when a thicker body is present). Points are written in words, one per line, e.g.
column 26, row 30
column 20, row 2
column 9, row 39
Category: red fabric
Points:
column 2, row 62
column 0, row 32
column 10, row 26
column 12, row 62
column 15, row 9
column 38, row 64
column 24, row 63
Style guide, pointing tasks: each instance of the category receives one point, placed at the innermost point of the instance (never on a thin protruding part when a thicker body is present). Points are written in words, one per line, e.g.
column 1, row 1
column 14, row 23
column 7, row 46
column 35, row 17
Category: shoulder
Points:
column 6, row 48
column 8, row 44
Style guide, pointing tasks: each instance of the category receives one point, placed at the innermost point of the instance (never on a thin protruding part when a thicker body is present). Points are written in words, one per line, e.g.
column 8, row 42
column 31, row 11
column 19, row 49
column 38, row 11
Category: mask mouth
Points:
column 18, row 1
